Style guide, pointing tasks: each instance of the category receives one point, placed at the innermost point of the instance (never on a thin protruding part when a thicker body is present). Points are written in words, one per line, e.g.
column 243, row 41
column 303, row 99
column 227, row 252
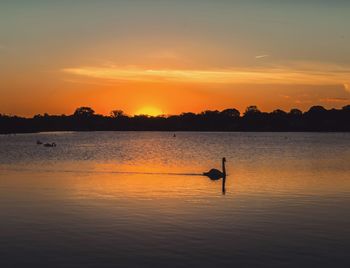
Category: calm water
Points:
column 136, row 200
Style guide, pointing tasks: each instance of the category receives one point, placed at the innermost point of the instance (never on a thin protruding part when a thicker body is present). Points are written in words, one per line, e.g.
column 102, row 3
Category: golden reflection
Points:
column 240, row 181
column 91, row 180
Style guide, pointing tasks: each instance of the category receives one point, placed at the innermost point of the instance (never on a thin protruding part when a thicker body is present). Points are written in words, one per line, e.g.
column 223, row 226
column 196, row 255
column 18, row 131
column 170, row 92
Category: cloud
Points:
column 285, row 96
column 301, row 74
column 299, row 101
column 347, row 87
column 335, row 100
column 262, row 56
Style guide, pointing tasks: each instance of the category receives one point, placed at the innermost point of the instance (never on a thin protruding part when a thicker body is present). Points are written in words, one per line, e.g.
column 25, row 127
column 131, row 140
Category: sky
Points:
column 167, row 57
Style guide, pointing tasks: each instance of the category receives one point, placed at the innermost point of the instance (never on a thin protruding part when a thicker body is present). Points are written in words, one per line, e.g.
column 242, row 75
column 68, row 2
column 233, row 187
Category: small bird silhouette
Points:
column 50, row 144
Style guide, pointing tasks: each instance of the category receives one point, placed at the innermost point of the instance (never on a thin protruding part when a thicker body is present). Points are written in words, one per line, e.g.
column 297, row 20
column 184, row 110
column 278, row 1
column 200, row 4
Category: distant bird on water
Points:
column 50, row 144
column 215, row 174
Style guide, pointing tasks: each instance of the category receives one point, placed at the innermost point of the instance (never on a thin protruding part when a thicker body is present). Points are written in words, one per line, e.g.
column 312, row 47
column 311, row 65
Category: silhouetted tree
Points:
column 254, row 117
column 317, row 118
column 295, row 112
column 188, row 115
column 317, row 109
column 117, row 113
column 231, row 113
column 279, row 112
column 84, row 112
column 210, row 113
column 346, row 108
column 252, row 110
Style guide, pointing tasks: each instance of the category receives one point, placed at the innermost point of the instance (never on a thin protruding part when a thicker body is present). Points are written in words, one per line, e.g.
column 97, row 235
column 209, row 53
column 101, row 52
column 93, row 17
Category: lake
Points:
column 137, row 199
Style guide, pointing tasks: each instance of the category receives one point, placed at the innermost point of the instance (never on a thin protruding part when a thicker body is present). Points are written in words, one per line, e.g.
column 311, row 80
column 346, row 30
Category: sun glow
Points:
column 149, row 110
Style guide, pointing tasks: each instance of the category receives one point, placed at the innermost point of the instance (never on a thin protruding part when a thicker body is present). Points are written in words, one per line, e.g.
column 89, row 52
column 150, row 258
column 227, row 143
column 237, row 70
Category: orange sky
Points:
column 172, row 57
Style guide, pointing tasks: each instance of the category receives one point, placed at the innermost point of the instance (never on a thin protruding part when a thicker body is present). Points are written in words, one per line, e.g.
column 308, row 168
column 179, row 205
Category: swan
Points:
column 50, row 144
column 215, row 174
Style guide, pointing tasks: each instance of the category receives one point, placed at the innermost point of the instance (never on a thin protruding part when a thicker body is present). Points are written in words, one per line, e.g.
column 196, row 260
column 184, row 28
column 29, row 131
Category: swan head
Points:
column 224, row 159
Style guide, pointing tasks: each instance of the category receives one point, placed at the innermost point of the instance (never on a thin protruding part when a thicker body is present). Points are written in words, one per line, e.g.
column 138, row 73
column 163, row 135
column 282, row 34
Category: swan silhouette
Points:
column 50, row 144
column 215, row 174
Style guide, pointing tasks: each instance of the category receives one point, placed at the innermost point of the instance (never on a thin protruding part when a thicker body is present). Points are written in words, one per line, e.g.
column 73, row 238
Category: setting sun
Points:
column 149, row 110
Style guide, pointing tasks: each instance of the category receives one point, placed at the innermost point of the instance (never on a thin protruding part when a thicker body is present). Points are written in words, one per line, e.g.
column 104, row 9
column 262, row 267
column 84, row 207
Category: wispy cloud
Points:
column 335, row 100
column 300, row 101
column 262, row 56
column 285, row 96
column 89, row 82
column 297, row 74
column 347, row 87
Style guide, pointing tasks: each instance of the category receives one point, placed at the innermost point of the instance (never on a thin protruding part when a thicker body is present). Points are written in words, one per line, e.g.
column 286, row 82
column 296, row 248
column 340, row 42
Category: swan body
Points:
column 50, row 144
column 215, row 174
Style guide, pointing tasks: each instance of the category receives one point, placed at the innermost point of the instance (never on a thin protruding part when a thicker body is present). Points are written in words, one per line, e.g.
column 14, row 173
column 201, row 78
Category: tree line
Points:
column 317, row 118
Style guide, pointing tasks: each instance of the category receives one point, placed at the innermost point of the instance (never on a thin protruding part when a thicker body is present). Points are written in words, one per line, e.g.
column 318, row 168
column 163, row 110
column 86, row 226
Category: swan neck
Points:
column 223, row 167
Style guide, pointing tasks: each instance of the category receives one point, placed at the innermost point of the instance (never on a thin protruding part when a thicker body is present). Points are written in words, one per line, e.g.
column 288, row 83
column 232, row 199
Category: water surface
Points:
column 135, row 199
